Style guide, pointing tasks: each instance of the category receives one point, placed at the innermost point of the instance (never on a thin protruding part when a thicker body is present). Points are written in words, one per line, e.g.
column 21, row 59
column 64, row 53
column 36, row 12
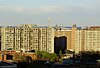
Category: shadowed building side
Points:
column 66, row 35
column 60, row 44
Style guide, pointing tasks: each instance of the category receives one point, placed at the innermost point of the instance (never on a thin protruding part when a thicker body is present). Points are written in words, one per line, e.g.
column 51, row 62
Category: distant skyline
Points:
column 61, row 12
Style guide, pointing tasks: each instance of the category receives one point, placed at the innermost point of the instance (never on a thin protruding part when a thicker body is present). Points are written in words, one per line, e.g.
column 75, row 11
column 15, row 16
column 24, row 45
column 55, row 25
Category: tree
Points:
column 45, row 55
column 19, row 57
column 15, row 57
column 22, row 58
column 53, row 57
column 28, row 58
column 39, row 54
column 60, row 53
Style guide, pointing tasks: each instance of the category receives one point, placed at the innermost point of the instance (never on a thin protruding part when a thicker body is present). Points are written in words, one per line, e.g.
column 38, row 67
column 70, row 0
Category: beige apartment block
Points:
column 65, row 34
column 92, row 40
column 27, row 37
column 7, row 38
column 46, row 39
column 87, row 39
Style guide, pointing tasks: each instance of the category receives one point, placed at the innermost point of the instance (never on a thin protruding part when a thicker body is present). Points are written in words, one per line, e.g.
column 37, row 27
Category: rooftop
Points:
column 7, row 65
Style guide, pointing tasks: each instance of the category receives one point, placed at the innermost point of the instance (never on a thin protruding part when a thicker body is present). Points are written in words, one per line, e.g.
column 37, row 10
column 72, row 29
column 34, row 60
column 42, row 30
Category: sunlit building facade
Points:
column 34, row 39
column 87, row 39
column 7, row 38
column 17, row 38
column 78, row 39
column 46, row 39
column 27, row 37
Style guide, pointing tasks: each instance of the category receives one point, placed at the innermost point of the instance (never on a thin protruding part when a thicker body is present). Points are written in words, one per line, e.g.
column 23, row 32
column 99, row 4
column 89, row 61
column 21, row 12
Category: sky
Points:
column 60, row 12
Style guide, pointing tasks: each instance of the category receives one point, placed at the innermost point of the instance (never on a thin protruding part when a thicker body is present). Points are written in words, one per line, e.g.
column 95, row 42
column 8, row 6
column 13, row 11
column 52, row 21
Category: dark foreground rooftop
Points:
column 7, row 65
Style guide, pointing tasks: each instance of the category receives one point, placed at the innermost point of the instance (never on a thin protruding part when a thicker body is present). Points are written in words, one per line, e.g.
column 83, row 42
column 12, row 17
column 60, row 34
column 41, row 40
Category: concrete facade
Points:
column 7, row 38
column 27, row 37
column 87, row 39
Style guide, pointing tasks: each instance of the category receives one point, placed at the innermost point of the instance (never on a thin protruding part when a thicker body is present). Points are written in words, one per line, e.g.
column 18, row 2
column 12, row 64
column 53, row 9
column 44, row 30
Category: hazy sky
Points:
column 62, row 12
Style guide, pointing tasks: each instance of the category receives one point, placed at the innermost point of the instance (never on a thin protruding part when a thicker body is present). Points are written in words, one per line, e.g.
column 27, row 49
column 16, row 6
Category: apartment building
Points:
column 62, row 39
column 27, row 37
column 65, row 38
column 87, row 39
column 7, row 38
column 92, row 41
column 78, row 39
column 46, row 39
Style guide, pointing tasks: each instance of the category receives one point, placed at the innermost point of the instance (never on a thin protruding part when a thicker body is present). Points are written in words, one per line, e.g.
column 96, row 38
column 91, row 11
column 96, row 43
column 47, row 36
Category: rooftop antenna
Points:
column 49, row 20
